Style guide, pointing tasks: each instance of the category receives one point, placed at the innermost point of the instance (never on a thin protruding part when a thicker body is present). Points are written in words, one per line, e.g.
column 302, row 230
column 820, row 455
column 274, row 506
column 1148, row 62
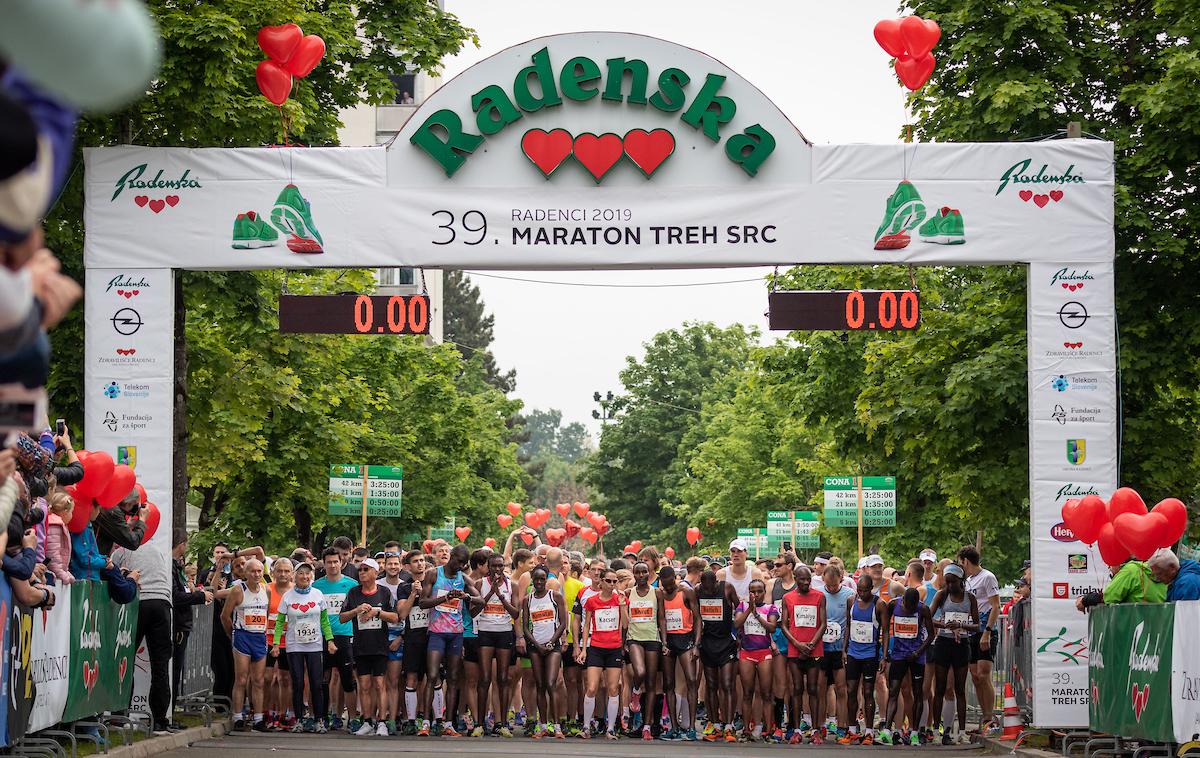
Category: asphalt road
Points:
column 254, row 745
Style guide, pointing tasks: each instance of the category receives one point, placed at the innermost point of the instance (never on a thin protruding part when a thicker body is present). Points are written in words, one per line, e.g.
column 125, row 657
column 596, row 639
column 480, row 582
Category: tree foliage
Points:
column 469, row 326
column 548, row 436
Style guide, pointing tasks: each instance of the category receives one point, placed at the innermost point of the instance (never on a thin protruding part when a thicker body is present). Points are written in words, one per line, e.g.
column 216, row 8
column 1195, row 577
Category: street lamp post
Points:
column 606, row 402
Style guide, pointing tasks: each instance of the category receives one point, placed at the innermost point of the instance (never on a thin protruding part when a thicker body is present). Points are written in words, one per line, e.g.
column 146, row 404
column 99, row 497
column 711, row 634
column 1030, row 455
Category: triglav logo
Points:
column 1070, row 279
column 126, row 286
column 1018, row 174
column 133, row 180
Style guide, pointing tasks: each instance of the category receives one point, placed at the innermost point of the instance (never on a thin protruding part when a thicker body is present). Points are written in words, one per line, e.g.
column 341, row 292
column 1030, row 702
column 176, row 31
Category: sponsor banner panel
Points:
column 101, row 668
column 49, row 660
column 1185, row 672
column 21, row 685
column 1130, row 668
column 1060, row 660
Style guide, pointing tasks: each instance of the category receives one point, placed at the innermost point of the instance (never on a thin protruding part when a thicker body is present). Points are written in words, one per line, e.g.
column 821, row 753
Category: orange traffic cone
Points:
column 1013, row 724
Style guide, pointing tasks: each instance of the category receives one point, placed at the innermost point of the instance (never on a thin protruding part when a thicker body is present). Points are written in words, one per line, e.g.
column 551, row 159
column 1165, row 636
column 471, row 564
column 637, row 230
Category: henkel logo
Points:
column 1018, row 174
column 545, row 83
column 1062, row 532
column 132, row 180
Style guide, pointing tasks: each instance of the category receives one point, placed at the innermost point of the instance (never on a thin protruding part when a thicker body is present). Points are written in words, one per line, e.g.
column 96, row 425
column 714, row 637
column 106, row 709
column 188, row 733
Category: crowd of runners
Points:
column 471, row 643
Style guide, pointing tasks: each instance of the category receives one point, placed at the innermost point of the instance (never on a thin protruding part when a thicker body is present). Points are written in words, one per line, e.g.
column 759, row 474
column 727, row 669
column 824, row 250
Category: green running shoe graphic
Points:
column 904, row 211
column 250, row 231
column 292, row 215
column 944, row 228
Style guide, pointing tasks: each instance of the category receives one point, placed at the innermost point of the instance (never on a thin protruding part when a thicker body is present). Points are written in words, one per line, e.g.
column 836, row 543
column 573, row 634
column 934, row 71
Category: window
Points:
column 393, row 277
column 406, row 89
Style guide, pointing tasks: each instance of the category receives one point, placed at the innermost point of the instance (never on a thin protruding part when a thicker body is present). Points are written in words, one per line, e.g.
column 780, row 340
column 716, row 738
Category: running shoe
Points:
column 409, row 729
column 777, row 736
column 336, row 723
column 992, row 730
column 668, row 735
column 292, row 215
column 914, row 739
column 850, row 738
column 448, row 730
column 250, row 231
column 885, row 737
column 261, row 726
column 504, row 730
column 794, row 737
column 904, row 211
column 239, row 723
column 730, row 734
column 816, row 738
column 868, row 739
column 944, row 227
column 584, row 734
column 964, row 738
column 477, row 731
column 646, row 734
column 355, row 726
column 690, row 735
column 424, row 730
column 521, row 717
column 299, row 728
column 710, row 732
column 321, row 728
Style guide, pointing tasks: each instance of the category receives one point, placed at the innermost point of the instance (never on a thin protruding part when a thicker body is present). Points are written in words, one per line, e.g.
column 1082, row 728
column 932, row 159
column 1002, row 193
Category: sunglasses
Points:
column 780, row 565
column 610, row 581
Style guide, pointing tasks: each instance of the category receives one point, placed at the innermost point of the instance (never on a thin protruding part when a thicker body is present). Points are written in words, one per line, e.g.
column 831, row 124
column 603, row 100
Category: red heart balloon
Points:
column 280, row 42
column 462, row 532
column 628, row 549
column 97, row 470
column 1125, row 500
column 588, row 534
column 504, row 520
column 603, row 528
column 274, row 82
column 531, row 520
column 427, row 546
column 693, row 535
column 1175, row 512
column 141, row 492
column 514, row 509
column 543, row 516
column 1086, row 517
column 593, row 519
column 489, row 542
column 581, row 509
column 152, row 519
column 919, row 35
column 118, row 488
column 527, row 538
column 82, row 513
column 564, row 509
column 571, row 527
column 306, row 57
column 914, row 72
column 887, row 34
column 1141, row 533
column 669, row 552
column 636, row 545
column 1112, row 552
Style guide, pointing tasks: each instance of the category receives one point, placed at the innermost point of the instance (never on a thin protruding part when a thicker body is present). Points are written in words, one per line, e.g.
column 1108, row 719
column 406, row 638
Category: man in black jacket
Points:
column 111, row 527
column 182, row 601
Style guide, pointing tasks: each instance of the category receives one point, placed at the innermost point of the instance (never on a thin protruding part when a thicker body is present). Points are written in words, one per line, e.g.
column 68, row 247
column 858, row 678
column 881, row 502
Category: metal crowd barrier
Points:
column 1013, row 664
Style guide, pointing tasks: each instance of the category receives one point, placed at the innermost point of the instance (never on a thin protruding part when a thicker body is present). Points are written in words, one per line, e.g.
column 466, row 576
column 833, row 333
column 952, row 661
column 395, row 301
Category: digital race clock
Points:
column 354, row 314
column 845, row 310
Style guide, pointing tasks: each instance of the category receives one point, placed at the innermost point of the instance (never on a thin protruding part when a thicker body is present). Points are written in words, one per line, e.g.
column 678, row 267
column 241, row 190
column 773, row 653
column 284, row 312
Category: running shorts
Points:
column 715, row 653
column 862, row 668
column 808, row 664
column 371, row 665
column 831, row 663
column 758, row 656
column 650, row 646
column 898, row 669
column 395, row 655
column 446, row 643
column 415, row 649
column 506, row 640
column 680, row 643
column 253, row 645
column 977, row 654
column 471, row 649
column 949, row 653
column 605, row 657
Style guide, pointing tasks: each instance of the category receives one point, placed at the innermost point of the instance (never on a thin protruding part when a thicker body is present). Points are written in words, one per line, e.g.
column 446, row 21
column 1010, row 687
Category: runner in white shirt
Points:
column 245, row 620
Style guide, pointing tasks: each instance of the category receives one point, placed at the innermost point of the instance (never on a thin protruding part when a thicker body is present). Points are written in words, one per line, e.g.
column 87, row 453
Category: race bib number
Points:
column 674, row 619
column 833, row 632
column 712, row 609
column 959, row 616
column 254, row 622
column 333, row 604
column 418, row 618
column 494, row 609
column 372, row 623
column 450, row 604
column 607, row 619
column 804, row 616
column 905, row 628
column 542, row 615
column 862, row 632
column 641, row 612
column 754, row 627
column 308, row 632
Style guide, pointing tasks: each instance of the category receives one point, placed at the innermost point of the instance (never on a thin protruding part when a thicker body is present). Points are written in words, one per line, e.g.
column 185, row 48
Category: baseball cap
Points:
column 873, row 560
column 862, row 562
column 368, row 563
column 955, row 570
column 738, row 544
column 928, row 555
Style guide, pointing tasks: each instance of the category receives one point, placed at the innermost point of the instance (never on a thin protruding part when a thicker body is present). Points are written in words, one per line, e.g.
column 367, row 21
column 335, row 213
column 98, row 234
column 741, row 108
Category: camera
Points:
column 33, row 516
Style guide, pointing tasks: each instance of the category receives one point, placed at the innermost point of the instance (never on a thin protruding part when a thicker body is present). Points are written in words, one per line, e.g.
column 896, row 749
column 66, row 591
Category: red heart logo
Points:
column 306, row 56
column 141, row 201
column 919, row 35
column 121, row 669
column 280, row 42
column 1041, row 200
column 887, row 34
column 1065, row 285
column 1057, row 195
column 157, row 205
column 1026, row 195
column 1072, row 287
column 303, row 607
column 914, row 72
column 1140, row 699
column 134, row 292
column 130, row 293
column 547, row 150
column 172, row 200
column 120, row 293
column 648, row 150
column 598, row 154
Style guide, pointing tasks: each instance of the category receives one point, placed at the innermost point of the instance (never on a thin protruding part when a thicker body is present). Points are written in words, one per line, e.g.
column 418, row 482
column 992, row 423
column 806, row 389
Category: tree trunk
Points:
column 179, row 482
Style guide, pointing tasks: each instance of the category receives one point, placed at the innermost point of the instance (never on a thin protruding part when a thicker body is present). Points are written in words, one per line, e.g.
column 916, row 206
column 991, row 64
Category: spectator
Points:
column 1132, row 582
column 154, row 617
column 183, row 597
column 58, row 539
column 86, row 560
column 112, row 528
column 1181, row 577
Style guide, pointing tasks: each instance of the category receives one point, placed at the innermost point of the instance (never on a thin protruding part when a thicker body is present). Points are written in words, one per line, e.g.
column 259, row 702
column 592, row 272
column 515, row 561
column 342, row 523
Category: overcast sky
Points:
column 820, row 64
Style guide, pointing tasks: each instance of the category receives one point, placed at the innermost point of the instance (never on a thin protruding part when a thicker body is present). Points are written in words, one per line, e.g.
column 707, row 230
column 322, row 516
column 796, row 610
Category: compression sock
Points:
column 410, row 703
column 589, row 710
column 614, row 707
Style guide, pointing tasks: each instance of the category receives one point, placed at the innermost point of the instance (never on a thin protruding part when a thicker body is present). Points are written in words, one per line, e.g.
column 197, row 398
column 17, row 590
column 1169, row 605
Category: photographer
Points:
column 113, row 529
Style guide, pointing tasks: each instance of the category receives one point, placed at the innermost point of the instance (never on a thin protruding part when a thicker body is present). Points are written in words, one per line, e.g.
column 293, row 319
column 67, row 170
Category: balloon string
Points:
column 283, row 126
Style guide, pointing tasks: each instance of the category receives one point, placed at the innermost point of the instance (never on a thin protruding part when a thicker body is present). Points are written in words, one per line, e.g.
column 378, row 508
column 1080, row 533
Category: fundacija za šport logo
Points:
column 444, row 138
column 132, row 180
column 1018, row 174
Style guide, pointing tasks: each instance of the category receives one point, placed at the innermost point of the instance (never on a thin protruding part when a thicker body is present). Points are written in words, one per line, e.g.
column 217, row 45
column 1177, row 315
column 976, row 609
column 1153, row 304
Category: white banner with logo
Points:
column 49, row 660
column 1185, row 672
column 1073, row 452
column 128, row 379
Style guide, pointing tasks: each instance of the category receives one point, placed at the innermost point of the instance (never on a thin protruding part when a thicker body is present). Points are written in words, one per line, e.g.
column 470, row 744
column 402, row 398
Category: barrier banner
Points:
column 101, row 667
column 49, row 660
column 20, row 676
column 1185, row 672
column 1130, row 670
column 5, row 608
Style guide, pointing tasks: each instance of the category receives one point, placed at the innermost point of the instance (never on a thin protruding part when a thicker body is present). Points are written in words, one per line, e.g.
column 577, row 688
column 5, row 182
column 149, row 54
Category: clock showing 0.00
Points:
column 354, row 314
column 845, row 310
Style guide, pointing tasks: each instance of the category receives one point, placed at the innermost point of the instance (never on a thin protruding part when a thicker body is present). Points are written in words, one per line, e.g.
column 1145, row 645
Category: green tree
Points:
column 640, row 463
column 1129, row 72
column 469, row 326
column 548, row 436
